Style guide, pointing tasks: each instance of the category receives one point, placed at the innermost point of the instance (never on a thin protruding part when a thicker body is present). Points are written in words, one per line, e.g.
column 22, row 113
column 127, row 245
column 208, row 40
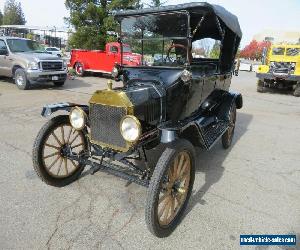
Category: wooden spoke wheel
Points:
column 228, row 136
column 170, row 188
column 55, row 142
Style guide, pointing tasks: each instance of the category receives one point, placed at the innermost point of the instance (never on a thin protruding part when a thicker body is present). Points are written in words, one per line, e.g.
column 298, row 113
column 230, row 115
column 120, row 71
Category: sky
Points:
column 254, row 15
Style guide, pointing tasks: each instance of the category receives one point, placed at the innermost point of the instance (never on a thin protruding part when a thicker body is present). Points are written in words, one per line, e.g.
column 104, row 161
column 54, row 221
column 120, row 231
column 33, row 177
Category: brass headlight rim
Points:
column 83, row 115
column 138, row 124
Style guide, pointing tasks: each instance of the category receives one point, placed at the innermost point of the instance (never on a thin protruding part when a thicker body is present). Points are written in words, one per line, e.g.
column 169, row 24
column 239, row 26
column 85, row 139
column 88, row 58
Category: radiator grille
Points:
column 105, row 125
column 282, row 67
column 54, row 66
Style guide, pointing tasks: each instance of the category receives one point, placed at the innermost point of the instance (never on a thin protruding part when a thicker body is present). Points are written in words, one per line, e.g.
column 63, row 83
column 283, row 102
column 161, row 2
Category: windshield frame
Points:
column 24, row 40
column 188, row 37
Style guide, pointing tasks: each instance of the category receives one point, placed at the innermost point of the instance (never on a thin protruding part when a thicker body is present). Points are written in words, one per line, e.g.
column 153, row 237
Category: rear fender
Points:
column 66, row 106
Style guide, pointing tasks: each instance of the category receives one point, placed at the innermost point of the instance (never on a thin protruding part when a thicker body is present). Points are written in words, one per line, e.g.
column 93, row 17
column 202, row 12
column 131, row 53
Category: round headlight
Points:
column 186, row 76
column 130, row 128
column 77, row 118
column 115, row 72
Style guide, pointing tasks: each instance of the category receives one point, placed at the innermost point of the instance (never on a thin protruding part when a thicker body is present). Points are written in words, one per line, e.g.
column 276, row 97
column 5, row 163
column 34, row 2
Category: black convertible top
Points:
column 202, row 8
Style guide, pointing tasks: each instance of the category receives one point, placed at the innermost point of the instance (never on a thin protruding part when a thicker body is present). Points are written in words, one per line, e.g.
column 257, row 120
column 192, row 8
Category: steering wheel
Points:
column 175, row 45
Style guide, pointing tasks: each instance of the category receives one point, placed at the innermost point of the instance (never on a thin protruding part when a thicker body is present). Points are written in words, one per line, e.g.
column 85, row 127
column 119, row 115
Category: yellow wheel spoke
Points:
column 74, row 139
column 66, row 165
column 78, row 145
column 161, row 199
column 52, row 146
column 69, row 136
column 51, row 155
column 58, row 141
column 53, row 163
column 162, row 209
column 63, row 134
column 172, row 209
column 180, row 165
column 60, row 163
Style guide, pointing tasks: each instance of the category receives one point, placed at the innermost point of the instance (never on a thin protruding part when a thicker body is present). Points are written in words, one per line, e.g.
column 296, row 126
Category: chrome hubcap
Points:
column 20, row 80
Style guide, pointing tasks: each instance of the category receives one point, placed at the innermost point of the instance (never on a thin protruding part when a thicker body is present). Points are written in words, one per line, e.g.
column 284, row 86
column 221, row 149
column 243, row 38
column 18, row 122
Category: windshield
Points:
column 293, row 51
column 158, row 42
column 278, row 51
column 19, row 45
column 126, row 49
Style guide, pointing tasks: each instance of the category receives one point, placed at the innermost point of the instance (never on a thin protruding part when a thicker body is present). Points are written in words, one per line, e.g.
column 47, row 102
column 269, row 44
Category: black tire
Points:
column 21, row 79
column 163, row 165
column 260, row 87
column 228, row 136
column 297, row 90
column 37, row 153
column 79, row 69
column 59, row 84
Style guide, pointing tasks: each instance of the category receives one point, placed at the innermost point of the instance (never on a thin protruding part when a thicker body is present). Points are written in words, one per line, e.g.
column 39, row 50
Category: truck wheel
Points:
column 59, row 84
column 228, row 136
column 170, row 188
column 50, row 163
column 260, row 87
column 79, row 69
column 21, row 79
column 297, row 90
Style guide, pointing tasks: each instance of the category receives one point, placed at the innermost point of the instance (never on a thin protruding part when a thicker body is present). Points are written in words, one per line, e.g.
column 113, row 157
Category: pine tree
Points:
column 92, row 20
column 13, row 13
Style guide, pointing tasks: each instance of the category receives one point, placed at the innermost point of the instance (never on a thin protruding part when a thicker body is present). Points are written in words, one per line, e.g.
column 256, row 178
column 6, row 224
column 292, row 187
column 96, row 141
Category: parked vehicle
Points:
column 54, row 51
column 26, row 61
column 178, row 104
column 280, row 69
column 102, row 61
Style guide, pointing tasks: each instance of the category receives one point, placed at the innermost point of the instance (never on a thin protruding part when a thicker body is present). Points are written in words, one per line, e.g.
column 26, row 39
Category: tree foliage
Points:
column 215, row 51
column 1, row 18
column 13, row 13
column 92, row 21
column 254, row 50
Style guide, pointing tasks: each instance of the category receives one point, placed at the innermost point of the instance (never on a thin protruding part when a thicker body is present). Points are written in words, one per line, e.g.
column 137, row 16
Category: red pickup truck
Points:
column 102, row 61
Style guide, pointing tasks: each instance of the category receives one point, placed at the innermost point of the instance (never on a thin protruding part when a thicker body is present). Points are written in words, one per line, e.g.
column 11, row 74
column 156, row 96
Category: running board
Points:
column 212, row 130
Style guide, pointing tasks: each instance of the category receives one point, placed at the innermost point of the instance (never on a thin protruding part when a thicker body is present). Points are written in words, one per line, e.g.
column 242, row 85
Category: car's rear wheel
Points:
column 260, row 87
column 79, row 69
column 297, row 90
column 170, row 188
column 53, row 143
column 228, row 136
column 21, row 79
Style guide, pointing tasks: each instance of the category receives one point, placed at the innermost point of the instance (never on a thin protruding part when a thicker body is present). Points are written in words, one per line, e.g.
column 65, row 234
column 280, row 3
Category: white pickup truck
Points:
column 28, row 63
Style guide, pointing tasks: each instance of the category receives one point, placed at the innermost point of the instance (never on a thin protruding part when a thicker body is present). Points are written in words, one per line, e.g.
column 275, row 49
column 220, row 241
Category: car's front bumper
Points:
column 46, row 76
column 286, row 77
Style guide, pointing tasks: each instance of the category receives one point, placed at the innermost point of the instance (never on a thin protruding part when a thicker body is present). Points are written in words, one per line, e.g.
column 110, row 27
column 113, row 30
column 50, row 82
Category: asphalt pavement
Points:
column 251, row 188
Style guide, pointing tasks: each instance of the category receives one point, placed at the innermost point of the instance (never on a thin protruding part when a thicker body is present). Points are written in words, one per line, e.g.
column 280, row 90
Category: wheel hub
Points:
column 65, row 150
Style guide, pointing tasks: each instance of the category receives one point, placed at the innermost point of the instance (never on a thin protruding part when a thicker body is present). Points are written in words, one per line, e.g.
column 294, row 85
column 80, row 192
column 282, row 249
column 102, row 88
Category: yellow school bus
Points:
column 280, row 69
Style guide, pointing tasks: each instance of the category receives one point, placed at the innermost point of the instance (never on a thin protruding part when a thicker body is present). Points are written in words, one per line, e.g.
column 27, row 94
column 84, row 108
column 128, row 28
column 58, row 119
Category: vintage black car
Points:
column 179, row 102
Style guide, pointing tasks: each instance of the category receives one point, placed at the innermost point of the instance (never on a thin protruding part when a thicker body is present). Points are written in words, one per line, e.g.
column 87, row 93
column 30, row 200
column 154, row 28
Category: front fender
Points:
column 66, row 106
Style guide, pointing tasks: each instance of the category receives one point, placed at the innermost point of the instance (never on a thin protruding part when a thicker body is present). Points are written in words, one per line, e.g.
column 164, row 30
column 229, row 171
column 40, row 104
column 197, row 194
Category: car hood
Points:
column 38, row 56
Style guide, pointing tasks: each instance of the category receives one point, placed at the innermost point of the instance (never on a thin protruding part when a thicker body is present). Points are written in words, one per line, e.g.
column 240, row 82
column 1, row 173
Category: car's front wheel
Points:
column 56, row 139
column 21, row 79
column 170, row 188
column 79, row 69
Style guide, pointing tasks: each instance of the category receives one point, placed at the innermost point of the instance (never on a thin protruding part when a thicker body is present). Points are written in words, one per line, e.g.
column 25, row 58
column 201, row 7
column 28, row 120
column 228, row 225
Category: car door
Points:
column 5, row 60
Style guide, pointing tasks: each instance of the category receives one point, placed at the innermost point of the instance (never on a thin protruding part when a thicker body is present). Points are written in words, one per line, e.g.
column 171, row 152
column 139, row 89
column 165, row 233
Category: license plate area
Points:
column 55, row 78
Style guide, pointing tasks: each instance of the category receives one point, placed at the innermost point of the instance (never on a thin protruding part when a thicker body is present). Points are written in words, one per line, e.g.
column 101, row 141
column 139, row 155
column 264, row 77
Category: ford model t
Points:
column 175, row 98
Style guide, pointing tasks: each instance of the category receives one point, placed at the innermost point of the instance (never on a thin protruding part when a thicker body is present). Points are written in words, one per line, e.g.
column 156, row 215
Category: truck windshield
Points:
column 161, row 40
column 20, row 45
column 278, row 51
column 293, row 51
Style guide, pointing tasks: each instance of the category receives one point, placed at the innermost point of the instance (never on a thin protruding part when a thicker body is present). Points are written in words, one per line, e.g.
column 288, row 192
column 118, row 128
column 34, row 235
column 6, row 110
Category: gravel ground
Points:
column 252, row 188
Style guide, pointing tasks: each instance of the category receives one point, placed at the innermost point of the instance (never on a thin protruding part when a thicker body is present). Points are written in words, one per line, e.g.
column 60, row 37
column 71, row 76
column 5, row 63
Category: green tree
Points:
column 215, row 51
column 13, row 13
column 1, row 18
column 92, row 20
